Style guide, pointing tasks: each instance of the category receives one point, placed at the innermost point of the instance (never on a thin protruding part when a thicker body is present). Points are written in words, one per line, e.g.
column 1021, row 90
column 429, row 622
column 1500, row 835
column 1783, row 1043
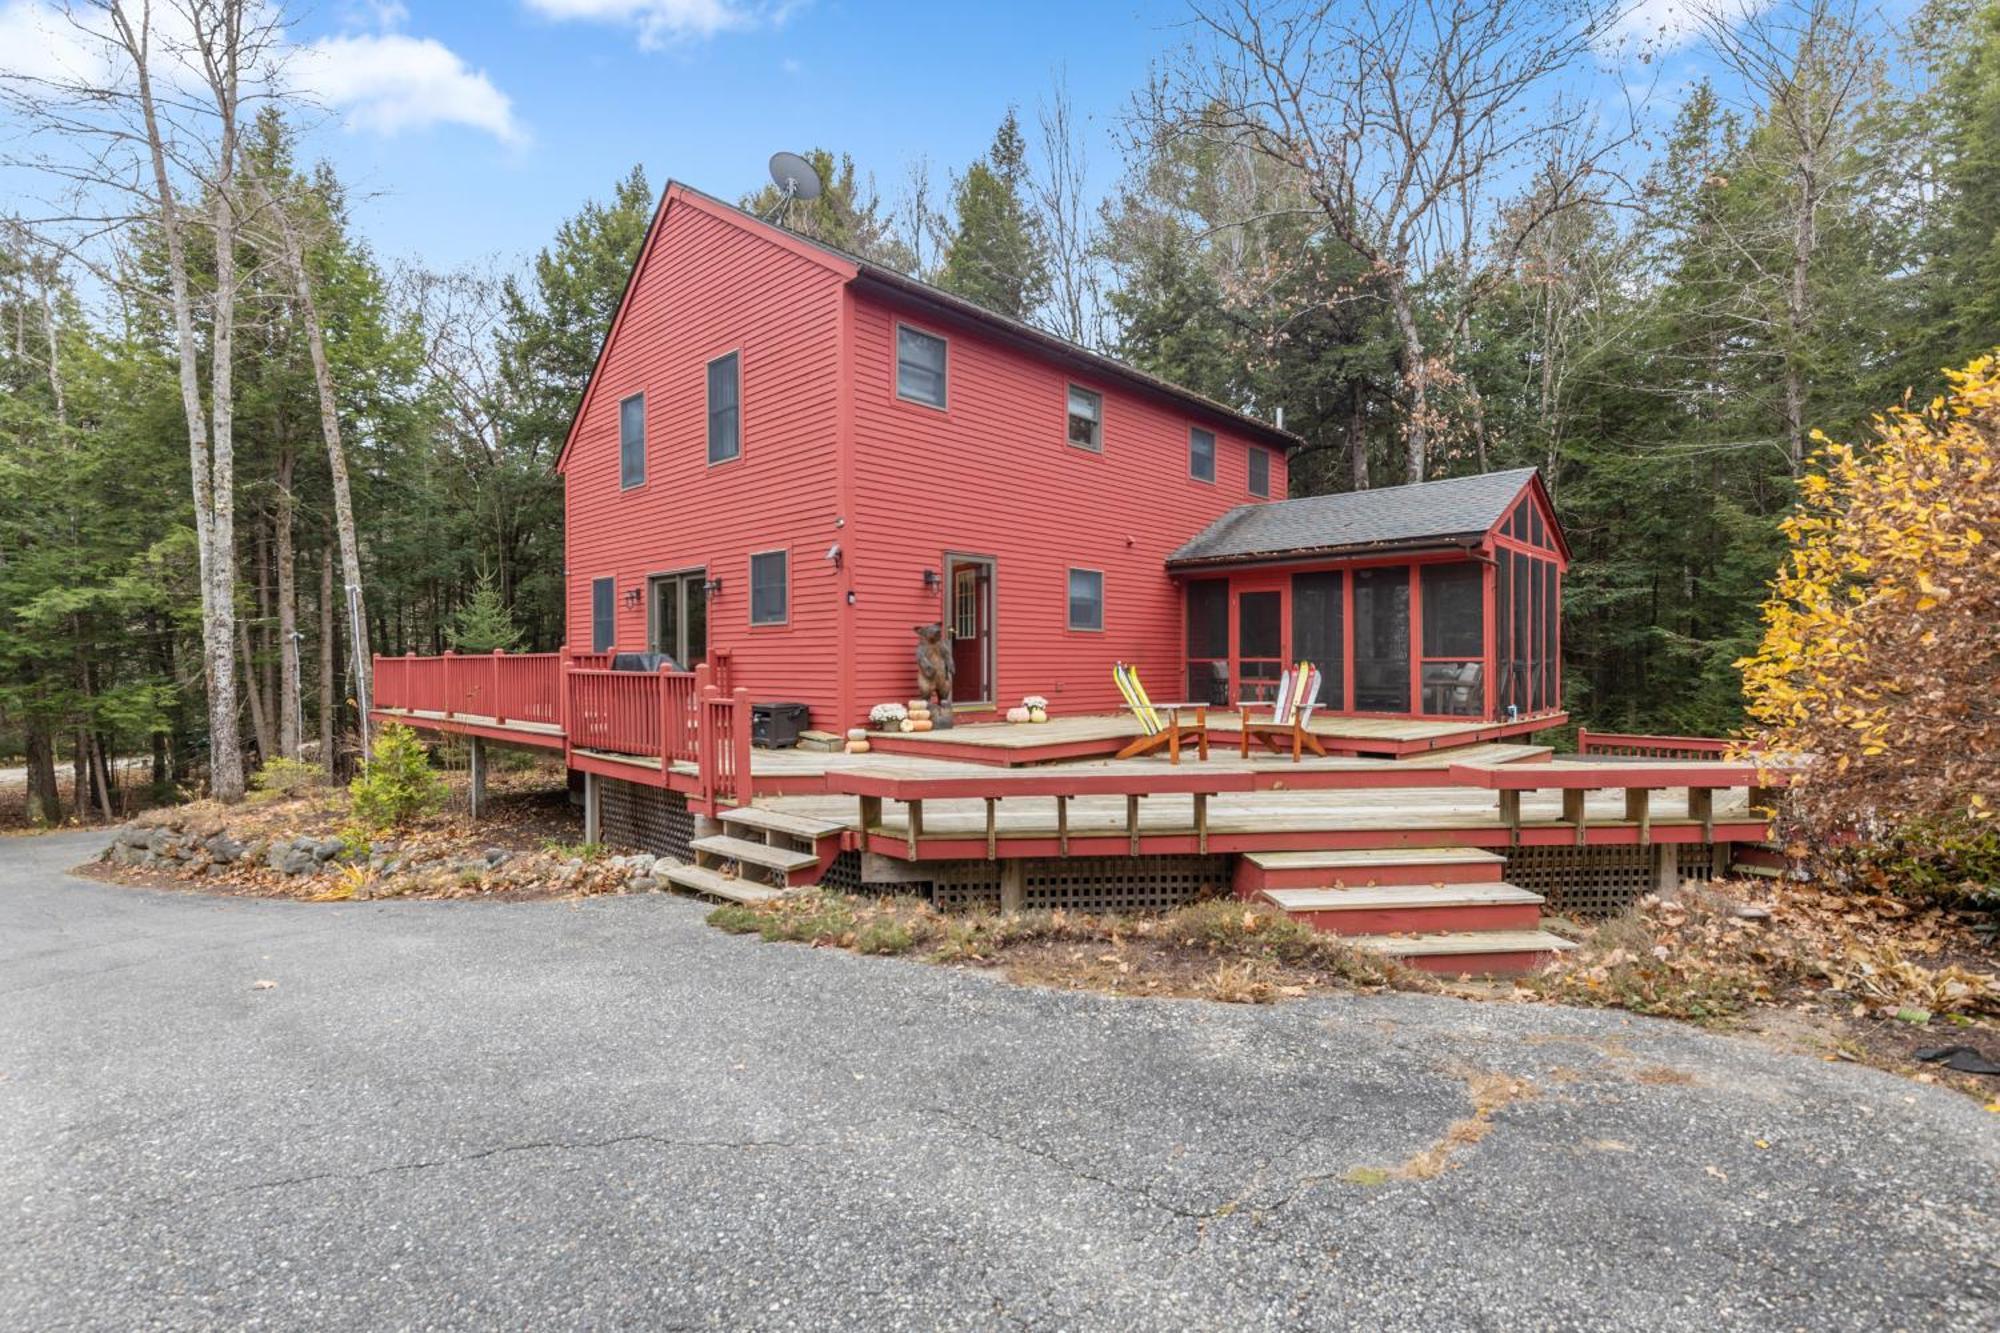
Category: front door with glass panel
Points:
column 969, row 615
column 680, row 617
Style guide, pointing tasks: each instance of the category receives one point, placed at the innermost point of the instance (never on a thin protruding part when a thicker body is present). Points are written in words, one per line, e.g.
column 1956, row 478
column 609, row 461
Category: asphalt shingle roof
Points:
column 1391, row 517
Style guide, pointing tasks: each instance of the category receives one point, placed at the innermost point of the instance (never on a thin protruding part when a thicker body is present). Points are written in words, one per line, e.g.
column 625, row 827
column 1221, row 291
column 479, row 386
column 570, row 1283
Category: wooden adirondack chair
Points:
column 1289, row 725
column 1162, row 726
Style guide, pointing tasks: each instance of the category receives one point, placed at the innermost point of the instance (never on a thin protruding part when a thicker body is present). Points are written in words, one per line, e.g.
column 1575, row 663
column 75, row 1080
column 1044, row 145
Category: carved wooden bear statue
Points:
column 933, row 663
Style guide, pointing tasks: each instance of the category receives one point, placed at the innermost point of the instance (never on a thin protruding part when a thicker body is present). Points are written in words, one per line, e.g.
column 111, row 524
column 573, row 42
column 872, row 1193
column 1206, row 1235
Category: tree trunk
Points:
column 100, row 772
column 289, row 715
column 211, row 485
column 329, row 698
column 225, row 778
column 1798, row 317
column 336, row 455
column 1417, row 375
column 79, row 776
column 44, row 798
column 260, row 723
column 267, row 657
column 1357, row 440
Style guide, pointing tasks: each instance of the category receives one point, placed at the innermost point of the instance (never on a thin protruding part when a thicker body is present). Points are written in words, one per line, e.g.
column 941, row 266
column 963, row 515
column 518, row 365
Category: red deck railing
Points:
column 1650, row 747
column 685, row 717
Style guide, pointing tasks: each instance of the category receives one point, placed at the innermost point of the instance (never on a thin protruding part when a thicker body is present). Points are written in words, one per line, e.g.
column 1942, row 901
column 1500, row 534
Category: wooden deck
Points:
column 1098, row 734
column 1113, row 824
column 540, row 735
column 1001, row 791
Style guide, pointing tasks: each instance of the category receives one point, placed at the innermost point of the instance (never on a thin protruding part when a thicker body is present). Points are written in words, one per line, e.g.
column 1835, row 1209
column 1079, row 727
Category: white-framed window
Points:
column 1086, row 599
column 1260, row 472
column 725, row 414
column 920, row 366
column 632, row 442
column 1086, row 419
column 1201, row 454
column 770, row 591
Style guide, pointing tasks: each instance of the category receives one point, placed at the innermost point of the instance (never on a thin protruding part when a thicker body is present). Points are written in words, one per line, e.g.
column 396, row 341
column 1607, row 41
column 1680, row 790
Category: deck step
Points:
column 1381, row 856
column 714, row 884
column 1496, row 952
column 1261, row 871
column 1412, row 909
column 781, row 859
column 777, row 821
column 1375, row 897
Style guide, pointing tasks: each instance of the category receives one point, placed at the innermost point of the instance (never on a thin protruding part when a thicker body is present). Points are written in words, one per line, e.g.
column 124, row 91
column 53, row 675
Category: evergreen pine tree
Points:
column 483, row 624
column 998, row 256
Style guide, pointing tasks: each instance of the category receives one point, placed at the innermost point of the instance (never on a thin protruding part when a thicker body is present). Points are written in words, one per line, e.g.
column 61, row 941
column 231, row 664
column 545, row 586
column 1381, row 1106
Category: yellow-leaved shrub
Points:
column 1879, row 671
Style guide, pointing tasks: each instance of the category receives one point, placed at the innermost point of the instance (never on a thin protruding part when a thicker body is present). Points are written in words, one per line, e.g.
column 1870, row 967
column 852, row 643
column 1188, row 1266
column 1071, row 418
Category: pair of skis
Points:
column 1129, row 685
column 1298, row 694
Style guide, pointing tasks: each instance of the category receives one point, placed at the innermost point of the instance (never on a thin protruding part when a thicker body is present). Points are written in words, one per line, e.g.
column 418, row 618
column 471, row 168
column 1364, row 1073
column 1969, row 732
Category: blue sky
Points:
column 586, row 99
column 467, row 130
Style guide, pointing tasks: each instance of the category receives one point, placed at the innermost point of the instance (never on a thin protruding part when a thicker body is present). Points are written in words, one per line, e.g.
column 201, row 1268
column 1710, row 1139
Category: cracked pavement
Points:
column 602, row 1113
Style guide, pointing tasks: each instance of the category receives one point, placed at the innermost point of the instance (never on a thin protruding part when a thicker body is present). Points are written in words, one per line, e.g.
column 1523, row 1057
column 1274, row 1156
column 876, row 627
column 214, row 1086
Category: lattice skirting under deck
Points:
column 1591, row 882
column 1086, row 883
column 646, row 819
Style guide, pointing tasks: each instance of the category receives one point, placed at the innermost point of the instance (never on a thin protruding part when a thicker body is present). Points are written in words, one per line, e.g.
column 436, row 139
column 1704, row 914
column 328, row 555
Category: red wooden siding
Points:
column 706, row 287
column 993, row 474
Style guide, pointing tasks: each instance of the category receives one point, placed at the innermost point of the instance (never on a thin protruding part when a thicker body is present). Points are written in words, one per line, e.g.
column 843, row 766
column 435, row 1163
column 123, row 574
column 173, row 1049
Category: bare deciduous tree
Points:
column 284, row 219
column 1401, row 122
column 1069, row 222
column 1804, row 70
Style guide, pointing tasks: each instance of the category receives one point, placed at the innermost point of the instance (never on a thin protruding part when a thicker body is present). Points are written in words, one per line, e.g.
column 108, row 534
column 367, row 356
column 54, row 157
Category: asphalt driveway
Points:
column 602, row 1113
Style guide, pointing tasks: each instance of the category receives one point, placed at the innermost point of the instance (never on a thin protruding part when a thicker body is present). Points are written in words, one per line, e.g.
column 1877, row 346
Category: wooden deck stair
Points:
column 1443, row 909
column 763, row 854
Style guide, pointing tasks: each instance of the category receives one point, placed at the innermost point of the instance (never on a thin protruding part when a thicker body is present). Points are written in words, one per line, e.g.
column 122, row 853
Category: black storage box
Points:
column 776, row 726
column 642, row 662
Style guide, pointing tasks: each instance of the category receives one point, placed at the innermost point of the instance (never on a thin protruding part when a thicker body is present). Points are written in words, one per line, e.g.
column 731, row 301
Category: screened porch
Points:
column 1464, row 621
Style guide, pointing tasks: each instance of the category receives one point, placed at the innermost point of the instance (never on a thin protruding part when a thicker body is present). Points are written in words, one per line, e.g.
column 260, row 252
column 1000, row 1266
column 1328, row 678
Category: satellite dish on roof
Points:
column 795, row 179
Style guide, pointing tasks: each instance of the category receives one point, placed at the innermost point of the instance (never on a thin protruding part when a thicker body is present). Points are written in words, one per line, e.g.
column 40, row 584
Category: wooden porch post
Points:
column 593, row 808
column 477, row 788
column 740, row 717
column 1013, row 885
column 1575, row 810
column 1639, row 810
column 498, row 714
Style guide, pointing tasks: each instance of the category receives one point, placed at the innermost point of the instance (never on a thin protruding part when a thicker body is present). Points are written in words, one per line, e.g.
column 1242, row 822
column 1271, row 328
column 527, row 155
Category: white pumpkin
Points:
column 1017, row 714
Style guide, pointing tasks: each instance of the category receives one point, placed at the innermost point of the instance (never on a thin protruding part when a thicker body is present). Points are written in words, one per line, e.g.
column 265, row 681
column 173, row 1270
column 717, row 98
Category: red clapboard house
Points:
column 789, row 458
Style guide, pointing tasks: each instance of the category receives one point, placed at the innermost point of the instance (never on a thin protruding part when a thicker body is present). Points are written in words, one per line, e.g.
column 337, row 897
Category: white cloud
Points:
column 391, row 82
column 37, row 42
column 382, row 82
column 1654, row 27
column 659, row 22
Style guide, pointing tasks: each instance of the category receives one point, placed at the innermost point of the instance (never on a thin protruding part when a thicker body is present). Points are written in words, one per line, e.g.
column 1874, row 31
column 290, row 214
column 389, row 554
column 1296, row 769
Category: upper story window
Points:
column 1260, row 472
column 770, row 601
column 920, row 366
column 632, row 442
column 1201, row 454
column 725, row 426
column 1086, row 599
column 1086, row 419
